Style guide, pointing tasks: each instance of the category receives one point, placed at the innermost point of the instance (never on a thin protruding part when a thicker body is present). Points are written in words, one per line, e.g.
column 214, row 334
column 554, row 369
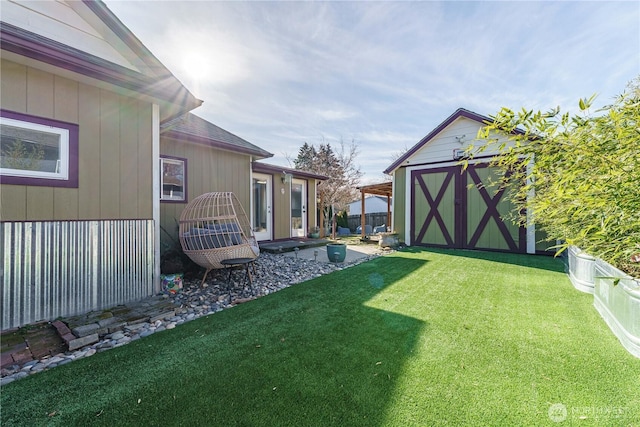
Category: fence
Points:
column 372, row 219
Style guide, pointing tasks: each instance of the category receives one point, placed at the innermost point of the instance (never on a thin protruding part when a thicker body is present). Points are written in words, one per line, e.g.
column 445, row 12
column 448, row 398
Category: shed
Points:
column 440, row 204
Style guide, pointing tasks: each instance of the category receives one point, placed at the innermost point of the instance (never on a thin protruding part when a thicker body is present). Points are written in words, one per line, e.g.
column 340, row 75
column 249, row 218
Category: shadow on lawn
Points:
column 543, row 262
column 312, row 354
column 326, row 358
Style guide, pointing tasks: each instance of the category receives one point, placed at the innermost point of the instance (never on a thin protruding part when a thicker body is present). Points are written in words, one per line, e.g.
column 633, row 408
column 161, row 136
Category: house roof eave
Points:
column 161, row 85
column 273, row 169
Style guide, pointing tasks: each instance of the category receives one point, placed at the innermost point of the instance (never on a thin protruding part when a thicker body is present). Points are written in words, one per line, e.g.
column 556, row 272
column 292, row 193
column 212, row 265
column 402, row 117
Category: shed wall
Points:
column 399, row 203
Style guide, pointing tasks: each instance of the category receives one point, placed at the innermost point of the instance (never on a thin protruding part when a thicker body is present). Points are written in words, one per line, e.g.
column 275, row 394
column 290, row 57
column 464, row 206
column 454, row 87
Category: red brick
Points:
column 6, row 360
column 61, row 328
column 22, row 356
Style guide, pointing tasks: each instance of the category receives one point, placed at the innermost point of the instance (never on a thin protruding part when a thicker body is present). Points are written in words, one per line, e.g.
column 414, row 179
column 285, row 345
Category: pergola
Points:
column 382, row 189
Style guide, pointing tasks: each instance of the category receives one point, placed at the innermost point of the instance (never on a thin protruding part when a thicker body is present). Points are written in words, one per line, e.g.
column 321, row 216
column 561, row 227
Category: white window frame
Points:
column 175, row 161
column 63, row 163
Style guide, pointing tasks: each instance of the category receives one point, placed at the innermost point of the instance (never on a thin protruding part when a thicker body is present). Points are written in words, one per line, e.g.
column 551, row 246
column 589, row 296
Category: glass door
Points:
column 261, row 217
column 298, row 208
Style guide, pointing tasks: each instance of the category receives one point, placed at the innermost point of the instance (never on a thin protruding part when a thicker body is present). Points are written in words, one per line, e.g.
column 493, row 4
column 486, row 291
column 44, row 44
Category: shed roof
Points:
column 192, row 128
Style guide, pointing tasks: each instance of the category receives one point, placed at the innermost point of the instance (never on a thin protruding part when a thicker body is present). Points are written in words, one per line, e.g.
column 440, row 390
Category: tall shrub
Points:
column 581, row 174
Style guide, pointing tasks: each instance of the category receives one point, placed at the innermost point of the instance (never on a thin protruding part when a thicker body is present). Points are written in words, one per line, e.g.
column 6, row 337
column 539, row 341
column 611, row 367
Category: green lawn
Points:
column 418, row 337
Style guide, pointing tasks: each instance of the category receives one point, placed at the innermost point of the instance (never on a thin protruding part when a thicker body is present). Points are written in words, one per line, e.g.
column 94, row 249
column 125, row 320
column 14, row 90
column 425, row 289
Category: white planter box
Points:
column 619, row 305
column 581, row 270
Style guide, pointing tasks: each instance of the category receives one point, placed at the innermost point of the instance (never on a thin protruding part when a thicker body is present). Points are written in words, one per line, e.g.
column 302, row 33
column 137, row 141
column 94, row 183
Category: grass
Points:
column 419, row 337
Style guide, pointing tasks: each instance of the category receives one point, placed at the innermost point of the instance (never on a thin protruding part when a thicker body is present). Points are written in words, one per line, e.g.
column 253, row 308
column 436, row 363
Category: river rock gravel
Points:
column 273, row 272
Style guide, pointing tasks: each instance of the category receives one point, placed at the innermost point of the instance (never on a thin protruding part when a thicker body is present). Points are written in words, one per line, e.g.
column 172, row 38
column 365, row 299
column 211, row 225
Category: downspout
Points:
column 155, row 156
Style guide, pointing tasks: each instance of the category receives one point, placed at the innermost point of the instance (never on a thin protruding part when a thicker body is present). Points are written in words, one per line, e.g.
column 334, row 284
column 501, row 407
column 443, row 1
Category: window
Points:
column 173, row 179
column 38, row 151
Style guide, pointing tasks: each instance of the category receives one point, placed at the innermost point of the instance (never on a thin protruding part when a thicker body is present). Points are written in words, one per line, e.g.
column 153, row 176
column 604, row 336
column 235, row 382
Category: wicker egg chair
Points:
column 214, row 227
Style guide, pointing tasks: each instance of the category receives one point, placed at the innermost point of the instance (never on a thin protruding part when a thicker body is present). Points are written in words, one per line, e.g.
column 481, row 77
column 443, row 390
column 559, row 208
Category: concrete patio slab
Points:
column 354, row 253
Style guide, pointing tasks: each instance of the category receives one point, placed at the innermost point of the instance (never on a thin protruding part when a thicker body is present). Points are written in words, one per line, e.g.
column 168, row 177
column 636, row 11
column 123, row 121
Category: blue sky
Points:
column 383, row 74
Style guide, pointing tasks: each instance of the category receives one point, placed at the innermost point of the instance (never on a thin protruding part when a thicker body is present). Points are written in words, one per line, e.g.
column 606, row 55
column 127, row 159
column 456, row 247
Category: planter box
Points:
column 619, row 305
column 581, row 270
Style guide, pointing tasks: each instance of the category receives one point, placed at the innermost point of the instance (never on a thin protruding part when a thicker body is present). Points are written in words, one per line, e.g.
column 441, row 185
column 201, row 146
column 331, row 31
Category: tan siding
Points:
column 281, row 210
column 39, row 103
column 109, row 155
column 114, row 149
column 145, row 162
column 128, row 159
column 65, row 106
column 208, row 170
column 39, row 203
column 13, row 203
column 89, row 167
column 39, row 93
column 13, row 95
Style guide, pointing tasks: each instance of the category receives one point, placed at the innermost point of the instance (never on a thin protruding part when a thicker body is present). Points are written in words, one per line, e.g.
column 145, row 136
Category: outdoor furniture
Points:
column 214, row 227
column 367, row 230
column 230, row 263
column 343, row 231
column 380, row 229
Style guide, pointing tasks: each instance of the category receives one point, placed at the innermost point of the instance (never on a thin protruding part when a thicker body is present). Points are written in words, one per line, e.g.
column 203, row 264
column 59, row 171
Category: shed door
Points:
column 453, row 208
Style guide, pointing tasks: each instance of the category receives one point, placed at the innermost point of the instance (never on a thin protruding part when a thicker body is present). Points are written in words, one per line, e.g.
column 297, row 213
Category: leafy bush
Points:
column 579, row 174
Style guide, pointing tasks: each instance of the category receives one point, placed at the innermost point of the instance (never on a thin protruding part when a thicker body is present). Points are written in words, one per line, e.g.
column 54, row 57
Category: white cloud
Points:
column 385, row 73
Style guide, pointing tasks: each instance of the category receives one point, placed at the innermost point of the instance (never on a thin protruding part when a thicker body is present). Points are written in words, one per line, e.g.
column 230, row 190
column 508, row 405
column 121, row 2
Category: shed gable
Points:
column 456, row 133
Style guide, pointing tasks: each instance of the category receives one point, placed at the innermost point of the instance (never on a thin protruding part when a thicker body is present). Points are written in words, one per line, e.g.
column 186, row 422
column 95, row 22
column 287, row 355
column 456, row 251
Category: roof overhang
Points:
column 158, row 86
column 274, row 169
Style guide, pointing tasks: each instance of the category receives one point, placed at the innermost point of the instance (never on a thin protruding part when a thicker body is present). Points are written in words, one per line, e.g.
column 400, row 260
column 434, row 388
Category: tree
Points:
column 343, row 174
column 581, row 173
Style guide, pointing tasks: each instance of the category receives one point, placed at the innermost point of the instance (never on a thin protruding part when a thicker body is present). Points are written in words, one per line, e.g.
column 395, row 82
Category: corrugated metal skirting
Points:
column 64, row 268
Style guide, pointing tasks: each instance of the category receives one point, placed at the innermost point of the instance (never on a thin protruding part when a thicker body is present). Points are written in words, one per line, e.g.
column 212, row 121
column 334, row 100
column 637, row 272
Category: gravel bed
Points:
column 273, row 273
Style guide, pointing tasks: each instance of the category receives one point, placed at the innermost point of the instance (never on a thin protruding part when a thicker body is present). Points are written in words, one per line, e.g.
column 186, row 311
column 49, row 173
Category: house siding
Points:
column 208, row 170
column 312, row 210
column 282, row 209
column 114, row 170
